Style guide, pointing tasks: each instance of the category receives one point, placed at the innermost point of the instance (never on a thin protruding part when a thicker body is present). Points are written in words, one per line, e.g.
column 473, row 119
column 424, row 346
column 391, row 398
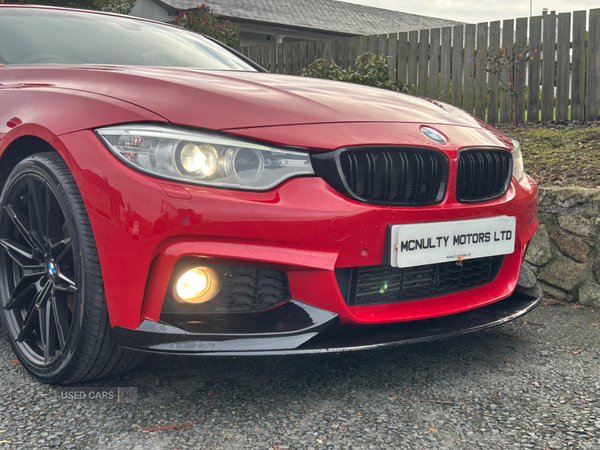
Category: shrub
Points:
column 371, row 70
column 203, row 20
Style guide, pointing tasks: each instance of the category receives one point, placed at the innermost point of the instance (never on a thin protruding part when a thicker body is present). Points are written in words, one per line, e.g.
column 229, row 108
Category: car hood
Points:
column 221, row 100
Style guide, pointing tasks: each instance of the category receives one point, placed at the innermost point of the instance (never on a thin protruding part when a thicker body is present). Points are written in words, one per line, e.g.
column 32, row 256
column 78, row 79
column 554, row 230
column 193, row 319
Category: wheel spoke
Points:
column 28, row 323
column 61, row 319
column 68, row 246
column 23, row 256
column 49, row 332
column 71, row 286
column 22, row 224
column 20, row 294
column 37, row 212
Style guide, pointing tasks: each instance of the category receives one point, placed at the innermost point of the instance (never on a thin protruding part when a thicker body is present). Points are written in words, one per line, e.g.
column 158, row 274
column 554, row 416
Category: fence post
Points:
column 578, row 65
column 548, row 67
column 535, row 39
column 423, row 62
column 492, row 115
column 434, row 62
column 593, row 65
column 521, row 43
column 457, row 56
column 402, row 56
column 393, row 56
column 563, row 59
column 507, row 43
column 481, row 72
column 445, row 64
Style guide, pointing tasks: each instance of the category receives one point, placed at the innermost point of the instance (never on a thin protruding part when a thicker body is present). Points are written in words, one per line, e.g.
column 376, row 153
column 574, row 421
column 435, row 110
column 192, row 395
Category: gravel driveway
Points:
column 533, row 383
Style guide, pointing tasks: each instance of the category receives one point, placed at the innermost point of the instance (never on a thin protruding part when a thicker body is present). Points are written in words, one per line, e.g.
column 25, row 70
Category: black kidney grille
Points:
column 395, row 176
column 379, row 285
column 483, row 174
column 245, row 289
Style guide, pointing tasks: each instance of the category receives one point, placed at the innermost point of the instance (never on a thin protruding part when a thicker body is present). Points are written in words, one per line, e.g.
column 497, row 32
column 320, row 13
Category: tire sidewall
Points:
column 59, row 371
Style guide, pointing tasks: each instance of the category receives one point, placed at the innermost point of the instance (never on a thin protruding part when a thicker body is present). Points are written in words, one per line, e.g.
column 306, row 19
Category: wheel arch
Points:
column 18, row 150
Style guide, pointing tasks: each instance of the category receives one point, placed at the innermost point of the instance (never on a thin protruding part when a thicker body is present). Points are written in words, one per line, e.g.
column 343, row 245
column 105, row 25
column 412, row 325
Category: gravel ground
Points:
column 533, row 383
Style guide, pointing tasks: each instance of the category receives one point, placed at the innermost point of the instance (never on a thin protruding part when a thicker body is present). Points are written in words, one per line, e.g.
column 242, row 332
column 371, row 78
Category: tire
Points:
column 52, row 300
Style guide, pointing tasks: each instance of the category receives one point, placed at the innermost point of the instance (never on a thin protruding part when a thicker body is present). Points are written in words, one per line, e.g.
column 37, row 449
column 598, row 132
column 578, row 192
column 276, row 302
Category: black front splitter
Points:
column 321, row 331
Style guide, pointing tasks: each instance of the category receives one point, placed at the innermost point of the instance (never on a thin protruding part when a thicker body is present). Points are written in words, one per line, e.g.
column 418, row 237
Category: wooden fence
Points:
column 560, row 80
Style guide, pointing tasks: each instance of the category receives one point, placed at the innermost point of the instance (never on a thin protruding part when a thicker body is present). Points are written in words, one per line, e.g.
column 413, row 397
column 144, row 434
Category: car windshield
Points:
column 46, row 36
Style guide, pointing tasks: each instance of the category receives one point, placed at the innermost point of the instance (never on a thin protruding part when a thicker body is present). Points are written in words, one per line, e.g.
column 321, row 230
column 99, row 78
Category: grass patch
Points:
column 560, row 156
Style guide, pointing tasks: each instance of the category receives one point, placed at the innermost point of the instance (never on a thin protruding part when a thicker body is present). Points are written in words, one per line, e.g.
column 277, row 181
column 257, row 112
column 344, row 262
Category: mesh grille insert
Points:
column 383, row 284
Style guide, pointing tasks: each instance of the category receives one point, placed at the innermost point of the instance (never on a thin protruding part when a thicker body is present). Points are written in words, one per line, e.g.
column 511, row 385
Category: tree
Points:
column 117, row 6
column 203, row 20
column 504, row 63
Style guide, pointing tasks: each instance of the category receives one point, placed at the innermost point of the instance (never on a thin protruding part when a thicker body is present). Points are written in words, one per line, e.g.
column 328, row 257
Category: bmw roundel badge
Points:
column 433, row 135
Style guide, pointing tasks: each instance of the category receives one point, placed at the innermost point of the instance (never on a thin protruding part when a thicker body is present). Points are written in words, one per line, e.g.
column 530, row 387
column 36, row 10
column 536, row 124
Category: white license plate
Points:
column 419, row 244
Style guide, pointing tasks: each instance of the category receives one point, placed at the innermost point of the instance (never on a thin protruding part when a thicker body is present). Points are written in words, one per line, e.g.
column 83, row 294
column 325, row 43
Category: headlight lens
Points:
column 204, row 158
column 517, row 157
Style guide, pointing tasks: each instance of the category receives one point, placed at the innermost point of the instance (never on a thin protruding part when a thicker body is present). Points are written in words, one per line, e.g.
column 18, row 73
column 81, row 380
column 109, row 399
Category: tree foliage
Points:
column 371, row 70
column 203, row 20
column 117, row 6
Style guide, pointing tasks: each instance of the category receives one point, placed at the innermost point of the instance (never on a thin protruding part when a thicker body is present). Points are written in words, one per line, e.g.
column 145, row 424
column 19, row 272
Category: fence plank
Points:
column 457, row 57
column 533, row 98
column 480, row 72
column 578, row 65
column 393, row 56
column 280, row 58
column 319, row 49
column 593, row 65
column 244, row 50
column 353, row 52
column 345, row 53
column 563, row 58
column 548, row 67
column 402, row 56
column 445, row 64
column 413, row 43
column 423, row 62
column 520, row 85
column 507, row 42
column 469, row 69
column 272, row 59
column 327, row 50
column 251, row 53
column 434, row 62
column 363, row 44
column 493, row 82
column 382, row 44
column 287, row 49
column 373, row 40
column 303, row 48
column 295, row 58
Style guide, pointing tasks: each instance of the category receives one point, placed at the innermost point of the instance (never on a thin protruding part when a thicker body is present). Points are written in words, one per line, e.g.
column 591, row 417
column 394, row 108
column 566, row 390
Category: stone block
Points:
column 555, row 293
column 589, row 294
column 579, row 225
column 539, row 252
column 570, row 245
column 563, row 273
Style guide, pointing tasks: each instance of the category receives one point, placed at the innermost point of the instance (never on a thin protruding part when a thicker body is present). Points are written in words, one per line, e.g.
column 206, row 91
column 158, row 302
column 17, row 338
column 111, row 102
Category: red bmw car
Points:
column 162, row 193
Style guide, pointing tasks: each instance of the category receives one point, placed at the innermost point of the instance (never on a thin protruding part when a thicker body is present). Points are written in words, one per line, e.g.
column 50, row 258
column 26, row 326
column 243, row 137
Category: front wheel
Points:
column 51, row 290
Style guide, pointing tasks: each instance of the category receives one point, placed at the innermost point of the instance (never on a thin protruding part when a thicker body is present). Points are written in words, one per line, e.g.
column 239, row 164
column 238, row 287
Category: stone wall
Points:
column 564, row 253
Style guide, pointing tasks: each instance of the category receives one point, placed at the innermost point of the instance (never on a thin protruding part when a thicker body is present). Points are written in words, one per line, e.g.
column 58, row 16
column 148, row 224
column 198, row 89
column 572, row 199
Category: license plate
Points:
column 420, row 244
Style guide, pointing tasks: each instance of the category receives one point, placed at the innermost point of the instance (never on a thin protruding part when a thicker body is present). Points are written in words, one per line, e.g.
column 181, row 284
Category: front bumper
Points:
column 298, row 328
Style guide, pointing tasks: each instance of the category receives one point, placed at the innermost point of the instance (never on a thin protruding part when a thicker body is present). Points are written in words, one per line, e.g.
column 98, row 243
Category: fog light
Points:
column 198, row 285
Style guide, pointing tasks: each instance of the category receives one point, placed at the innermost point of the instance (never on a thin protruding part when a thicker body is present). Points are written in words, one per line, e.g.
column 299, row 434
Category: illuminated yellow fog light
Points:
column 200, row 160
column 198, row 285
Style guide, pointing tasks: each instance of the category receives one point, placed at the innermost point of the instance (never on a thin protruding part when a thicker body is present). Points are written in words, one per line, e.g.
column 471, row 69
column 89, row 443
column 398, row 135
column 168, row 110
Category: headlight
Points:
column 203, row 158
column 517, row 157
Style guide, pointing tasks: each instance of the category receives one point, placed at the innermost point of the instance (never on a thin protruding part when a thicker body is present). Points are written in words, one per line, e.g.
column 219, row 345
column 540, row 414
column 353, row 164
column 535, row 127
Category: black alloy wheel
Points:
column 51, row 295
